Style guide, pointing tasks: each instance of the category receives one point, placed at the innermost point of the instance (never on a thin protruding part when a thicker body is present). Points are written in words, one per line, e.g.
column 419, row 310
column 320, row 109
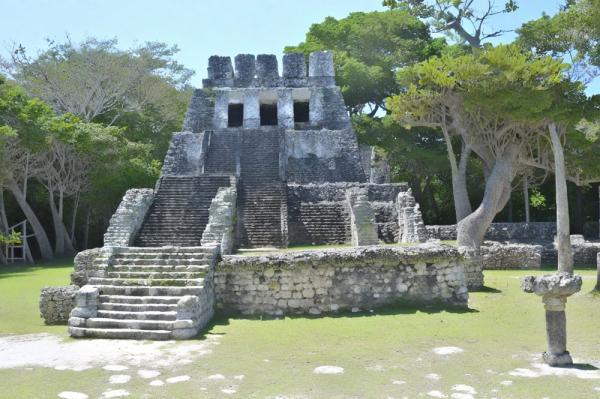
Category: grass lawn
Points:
column 388, row 353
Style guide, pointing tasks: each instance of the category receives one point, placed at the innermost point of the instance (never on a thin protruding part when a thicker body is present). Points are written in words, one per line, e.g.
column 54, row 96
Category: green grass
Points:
column 502, row 331
column 20, row 287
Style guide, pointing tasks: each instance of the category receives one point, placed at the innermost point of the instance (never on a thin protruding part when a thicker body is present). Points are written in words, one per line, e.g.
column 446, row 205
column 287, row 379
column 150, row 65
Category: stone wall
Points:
column 317, row 156
column 528, row 232
column 90, row 263
column 186, row 153
column 510, row 256
column 128, row 218
column 56, row 303
column 326, row 281
column 221, row 220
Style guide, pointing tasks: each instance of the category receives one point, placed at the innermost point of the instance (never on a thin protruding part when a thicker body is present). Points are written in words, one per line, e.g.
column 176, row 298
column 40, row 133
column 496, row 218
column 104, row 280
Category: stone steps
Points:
column 139, row 307
column 139, row 300
column 117, row 333
column 146, row 282
column 151, row 315
column 151, row 290
column 179, row 212
column 156, row 275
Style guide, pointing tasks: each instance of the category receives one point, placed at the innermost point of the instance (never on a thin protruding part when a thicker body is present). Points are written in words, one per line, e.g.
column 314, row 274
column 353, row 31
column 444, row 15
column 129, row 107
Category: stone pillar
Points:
column 285, row 108
column 251, row 109
column 554, row 290
column 245, row 70
column 315, row 106
column 294, row 70
column 220, row 71
column 267, row 71
column 362, row 217
column 221, row 109
column 320, row 69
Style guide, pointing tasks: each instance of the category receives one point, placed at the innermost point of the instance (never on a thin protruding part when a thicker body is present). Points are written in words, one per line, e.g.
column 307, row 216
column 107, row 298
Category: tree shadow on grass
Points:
column 488, row 290
column 582, row 366
column 21, row 270
column 400, row 308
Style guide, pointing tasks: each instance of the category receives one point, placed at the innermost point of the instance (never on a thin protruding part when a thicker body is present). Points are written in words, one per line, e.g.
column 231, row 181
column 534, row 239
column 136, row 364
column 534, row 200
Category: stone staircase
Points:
column 321, row 223
column 179, row 212
column 223, row 153
column 146, row 293
column 262, row 196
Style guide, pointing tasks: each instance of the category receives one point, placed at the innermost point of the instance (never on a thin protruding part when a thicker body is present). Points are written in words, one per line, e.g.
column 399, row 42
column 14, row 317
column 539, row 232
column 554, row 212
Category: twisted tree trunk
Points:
column 471, row 230
column 40, row 234
column 462, row 204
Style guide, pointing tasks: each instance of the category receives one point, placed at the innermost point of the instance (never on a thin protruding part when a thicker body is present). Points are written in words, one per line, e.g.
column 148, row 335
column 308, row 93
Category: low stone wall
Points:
column 56, row 303
column 343, row 279
column 128, row 218
column 532, row 232
column 221, row 219
column 89, row 263
column 497, row 255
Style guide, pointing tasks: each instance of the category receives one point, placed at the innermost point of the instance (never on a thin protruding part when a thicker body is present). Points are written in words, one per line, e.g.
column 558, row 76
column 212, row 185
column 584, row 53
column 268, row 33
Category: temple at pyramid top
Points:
column 256, row 95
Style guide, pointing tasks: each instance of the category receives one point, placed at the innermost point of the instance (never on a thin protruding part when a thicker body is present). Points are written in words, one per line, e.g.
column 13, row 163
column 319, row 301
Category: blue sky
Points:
column 200, row 28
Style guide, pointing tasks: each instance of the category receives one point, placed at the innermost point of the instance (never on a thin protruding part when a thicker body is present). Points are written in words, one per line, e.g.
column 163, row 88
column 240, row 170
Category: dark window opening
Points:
column 268, row 114
column 301, row 112
column 235, row 115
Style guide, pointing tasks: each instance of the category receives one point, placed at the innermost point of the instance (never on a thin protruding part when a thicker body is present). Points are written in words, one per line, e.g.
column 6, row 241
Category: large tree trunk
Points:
column 86, row 229
column 40, row 234
column 563, row 237
column 471, row 230
column 462, row 204
column 62, row 240
column 526, row 198
column 3, row 218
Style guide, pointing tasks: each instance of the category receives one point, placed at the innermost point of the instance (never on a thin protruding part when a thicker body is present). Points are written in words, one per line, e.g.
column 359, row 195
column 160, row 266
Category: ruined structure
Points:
column 265, row 160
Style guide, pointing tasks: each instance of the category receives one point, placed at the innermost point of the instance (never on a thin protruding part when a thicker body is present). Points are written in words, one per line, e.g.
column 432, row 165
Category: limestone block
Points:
column 56, row 303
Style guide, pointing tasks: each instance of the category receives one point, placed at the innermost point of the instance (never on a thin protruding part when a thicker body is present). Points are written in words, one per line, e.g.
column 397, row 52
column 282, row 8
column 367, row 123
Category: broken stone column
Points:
column 362, row 217
column 221, row 217
column 285, row 109
column 554, row 290
column 410, row 220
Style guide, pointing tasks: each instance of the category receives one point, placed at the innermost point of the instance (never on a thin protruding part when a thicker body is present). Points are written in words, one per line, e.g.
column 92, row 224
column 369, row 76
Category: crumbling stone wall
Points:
column 317, row 156
column 128, row 218
column 89, row 263
column 186, row 154
column 363, row 278
column 56, row 303
column 221, row 220
column 497, row 255
column 527, row 232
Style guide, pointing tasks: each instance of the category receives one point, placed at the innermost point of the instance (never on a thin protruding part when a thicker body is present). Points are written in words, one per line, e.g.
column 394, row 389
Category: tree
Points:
column 95, row 78
column 460, row 19
column 368, row 48
column 500, row 102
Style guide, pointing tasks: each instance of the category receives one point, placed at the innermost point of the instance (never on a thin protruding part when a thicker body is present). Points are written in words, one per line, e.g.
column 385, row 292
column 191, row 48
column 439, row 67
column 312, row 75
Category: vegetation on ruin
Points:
column 277, row 357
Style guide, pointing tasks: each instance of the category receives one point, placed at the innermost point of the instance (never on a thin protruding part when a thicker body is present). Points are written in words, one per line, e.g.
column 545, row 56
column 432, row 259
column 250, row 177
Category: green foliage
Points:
column 10, row 239
column 537, row 199
column 368, row 49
